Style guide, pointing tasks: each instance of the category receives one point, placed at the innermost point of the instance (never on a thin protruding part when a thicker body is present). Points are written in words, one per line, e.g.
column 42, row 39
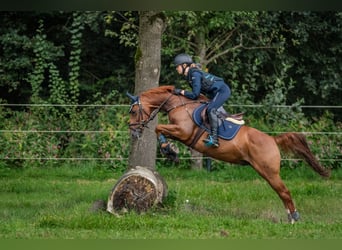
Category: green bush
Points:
column 38, row 137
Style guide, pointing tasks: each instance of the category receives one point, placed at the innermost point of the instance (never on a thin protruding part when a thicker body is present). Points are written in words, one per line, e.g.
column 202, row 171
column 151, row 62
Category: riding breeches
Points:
column 220, row 98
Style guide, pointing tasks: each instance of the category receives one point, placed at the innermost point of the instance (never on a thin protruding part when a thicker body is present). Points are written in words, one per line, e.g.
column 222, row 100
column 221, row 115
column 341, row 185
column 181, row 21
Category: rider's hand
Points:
column 177, row 91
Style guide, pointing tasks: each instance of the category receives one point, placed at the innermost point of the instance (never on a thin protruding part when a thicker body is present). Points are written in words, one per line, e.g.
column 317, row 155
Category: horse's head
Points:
column 136, row 120
column 139, row 116
column 144, row 108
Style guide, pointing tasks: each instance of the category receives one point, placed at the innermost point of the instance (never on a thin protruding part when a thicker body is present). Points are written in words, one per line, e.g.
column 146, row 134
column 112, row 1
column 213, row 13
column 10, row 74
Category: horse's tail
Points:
column 296, row 143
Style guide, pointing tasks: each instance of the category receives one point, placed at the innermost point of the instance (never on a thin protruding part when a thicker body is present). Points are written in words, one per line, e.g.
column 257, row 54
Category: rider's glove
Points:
column 177, row 91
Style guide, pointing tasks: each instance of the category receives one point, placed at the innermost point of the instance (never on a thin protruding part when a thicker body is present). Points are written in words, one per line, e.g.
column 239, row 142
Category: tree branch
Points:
column 226, row 37
column 182, row 39
column 213, row 58
column 240, row 45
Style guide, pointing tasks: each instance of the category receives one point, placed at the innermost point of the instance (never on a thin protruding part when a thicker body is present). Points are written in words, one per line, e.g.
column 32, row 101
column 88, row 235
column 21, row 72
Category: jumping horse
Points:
column 249, row 147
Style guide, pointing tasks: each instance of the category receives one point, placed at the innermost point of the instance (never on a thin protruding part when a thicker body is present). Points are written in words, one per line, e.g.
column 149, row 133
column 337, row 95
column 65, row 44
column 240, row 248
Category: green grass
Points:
column 235, row 203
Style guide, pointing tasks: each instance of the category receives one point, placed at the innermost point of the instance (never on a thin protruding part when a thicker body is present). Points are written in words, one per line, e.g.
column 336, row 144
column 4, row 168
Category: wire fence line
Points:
column 338, row 133
column 126, row 132
column 61, row 105
column 65, row 131
column 127, row 105
column 126, row 158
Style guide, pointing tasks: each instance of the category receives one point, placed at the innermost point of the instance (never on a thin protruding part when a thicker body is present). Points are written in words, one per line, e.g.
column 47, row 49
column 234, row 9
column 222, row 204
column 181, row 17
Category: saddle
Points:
column 222, row 113
column 229, row 125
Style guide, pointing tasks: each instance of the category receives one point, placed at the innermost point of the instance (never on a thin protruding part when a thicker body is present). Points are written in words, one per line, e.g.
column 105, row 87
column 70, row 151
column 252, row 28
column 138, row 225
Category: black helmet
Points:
column 182, row 58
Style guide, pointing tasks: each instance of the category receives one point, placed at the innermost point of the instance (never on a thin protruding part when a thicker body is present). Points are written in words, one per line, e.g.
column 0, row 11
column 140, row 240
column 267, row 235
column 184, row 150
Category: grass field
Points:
column 235, row 203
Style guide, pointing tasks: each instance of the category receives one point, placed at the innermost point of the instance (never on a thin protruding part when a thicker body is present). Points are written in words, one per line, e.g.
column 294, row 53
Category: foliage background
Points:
column 83, row 63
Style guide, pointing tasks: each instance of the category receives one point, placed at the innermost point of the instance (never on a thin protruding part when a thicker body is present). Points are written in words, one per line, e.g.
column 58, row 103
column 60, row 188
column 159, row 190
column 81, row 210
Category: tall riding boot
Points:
column 212, row 139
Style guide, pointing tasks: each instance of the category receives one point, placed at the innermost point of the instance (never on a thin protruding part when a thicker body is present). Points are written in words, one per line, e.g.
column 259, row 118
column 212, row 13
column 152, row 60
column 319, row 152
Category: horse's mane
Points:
column 161, row 89
column 167, row 89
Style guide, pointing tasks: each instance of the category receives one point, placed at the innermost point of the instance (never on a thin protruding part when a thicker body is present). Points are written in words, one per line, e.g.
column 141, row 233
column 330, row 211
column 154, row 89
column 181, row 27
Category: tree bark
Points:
column 148, row 63
column 197, row 162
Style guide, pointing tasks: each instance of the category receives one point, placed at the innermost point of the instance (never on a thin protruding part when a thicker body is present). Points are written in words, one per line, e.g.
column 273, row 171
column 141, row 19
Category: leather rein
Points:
column 144, row 123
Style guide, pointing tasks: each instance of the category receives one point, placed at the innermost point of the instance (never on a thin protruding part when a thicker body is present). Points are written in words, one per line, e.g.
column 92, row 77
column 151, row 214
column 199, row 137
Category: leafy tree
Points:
column 314, row 45
column 209, row 35
column 268, row 58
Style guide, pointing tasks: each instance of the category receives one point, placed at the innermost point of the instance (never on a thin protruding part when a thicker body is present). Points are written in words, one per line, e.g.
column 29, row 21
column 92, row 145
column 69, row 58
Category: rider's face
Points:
column 179, row 69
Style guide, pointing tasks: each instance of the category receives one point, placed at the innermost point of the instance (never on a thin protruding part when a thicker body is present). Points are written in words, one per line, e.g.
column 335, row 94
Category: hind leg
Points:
column 264, row 156
column 284, row 194
column 271, row 175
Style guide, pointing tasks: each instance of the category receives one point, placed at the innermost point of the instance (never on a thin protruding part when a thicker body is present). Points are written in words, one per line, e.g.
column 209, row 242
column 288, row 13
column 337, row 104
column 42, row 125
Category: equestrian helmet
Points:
column 182, row 58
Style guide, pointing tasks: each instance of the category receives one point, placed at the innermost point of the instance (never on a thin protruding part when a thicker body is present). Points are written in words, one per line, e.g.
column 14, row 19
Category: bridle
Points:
column 138, row 126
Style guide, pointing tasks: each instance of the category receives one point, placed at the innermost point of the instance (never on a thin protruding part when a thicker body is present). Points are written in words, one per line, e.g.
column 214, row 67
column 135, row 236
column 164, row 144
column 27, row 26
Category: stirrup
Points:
column 210, row 142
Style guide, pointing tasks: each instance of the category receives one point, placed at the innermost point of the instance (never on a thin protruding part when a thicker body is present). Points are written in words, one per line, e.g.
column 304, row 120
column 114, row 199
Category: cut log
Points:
column 139, row 189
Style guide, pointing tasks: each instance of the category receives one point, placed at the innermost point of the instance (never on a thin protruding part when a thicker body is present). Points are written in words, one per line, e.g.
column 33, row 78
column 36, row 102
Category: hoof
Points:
column 171, row 152
column 173, row 148
column 293, row 217
column 169, row 148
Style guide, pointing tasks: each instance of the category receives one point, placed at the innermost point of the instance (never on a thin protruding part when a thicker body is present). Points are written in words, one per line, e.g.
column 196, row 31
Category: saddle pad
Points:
column 226, row 130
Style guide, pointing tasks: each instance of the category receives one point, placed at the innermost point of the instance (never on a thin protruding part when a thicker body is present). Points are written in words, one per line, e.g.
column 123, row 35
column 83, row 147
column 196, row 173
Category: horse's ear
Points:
column 134, row 98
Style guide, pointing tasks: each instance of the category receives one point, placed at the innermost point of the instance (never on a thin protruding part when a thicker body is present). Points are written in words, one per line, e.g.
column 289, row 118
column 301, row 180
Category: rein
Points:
column 144, row 123
column 183, row 104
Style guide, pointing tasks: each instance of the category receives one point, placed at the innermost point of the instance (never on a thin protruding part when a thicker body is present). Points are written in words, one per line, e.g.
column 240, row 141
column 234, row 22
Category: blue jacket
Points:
column 196, row 80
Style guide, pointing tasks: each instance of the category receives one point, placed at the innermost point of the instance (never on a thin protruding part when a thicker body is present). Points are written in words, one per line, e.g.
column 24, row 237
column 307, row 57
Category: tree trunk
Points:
column 197, row 162
column 151, row 26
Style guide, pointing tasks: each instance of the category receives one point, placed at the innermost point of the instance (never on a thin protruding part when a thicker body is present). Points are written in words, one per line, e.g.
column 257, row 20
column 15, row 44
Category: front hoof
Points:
column 170, row 151
column 174, row 149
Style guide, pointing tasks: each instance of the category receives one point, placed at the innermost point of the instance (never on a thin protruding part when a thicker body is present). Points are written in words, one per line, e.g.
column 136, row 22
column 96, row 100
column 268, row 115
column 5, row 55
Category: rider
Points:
column 202, row 82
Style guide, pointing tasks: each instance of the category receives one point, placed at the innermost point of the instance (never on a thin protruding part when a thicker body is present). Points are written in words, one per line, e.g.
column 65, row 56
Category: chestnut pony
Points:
column 249, row 146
